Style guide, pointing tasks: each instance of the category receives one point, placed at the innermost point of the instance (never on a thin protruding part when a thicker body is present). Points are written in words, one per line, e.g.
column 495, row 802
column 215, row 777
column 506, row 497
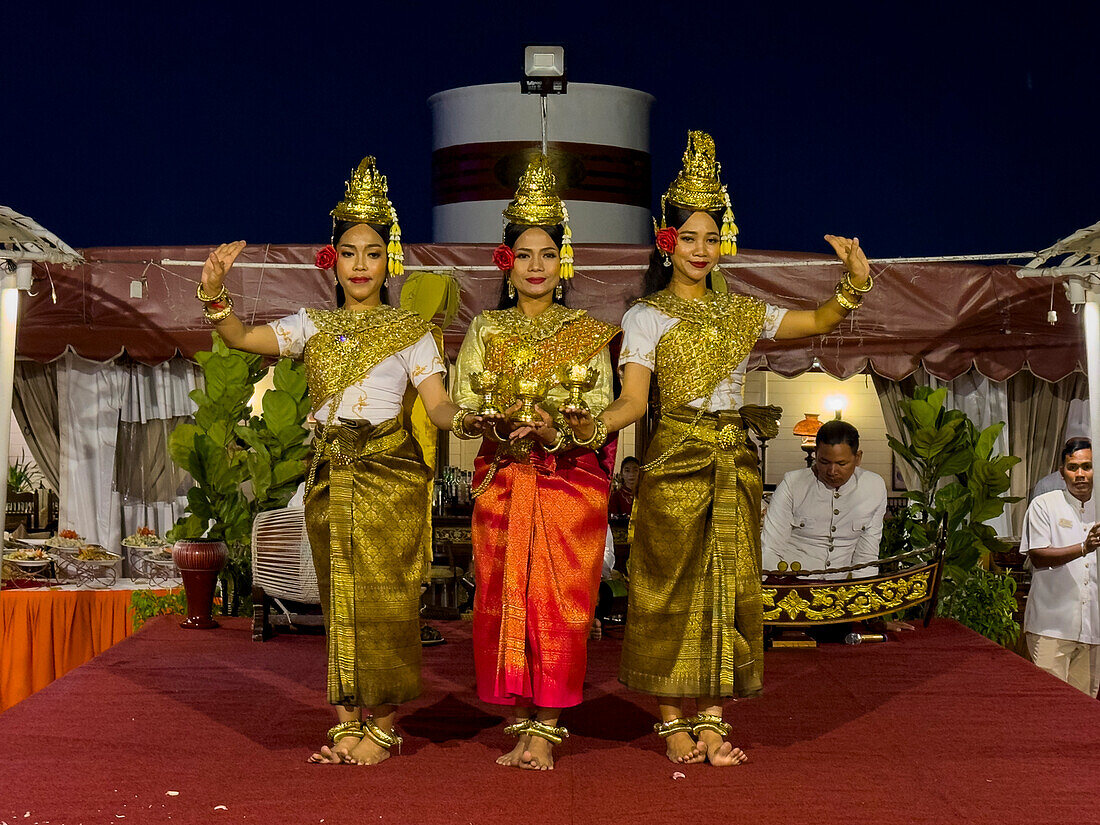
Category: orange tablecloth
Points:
column 46, row 633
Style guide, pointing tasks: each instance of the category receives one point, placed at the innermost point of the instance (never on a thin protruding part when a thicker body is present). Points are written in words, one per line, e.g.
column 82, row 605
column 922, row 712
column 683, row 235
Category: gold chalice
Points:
column 487, row 384
column 529, row 392
column 577, row 380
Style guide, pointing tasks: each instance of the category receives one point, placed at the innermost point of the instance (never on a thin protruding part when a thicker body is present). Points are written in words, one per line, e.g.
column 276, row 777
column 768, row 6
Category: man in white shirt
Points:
column 828, row 515
column 1060, row 538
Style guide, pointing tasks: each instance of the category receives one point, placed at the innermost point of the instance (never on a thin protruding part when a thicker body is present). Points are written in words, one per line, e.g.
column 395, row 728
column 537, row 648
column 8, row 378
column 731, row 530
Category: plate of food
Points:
column 94, row 554
column 66, row 540
column 29, row 559
column 145, row 537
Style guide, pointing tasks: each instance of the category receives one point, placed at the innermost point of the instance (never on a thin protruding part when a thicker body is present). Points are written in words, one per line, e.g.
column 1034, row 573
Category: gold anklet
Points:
column 708, row 721
column 543, row 731
column 677, row 725
column 338, row 732
column 379, row 737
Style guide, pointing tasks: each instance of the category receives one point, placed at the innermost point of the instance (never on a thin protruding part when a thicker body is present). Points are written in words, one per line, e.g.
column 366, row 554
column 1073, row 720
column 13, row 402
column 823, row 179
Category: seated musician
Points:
column 827, row 516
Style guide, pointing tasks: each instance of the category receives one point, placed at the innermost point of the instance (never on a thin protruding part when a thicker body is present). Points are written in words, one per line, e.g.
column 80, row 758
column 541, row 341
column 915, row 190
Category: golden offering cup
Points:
column 577, row 380
column 529, row 392
column 487, row 384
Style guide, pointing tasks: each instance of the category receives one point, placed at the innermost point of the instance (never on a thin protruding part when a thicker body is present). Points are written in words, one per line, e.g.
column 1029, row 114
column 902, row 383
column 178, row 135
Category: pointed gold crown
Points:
column 698, row 186
column 536, row 202
column 365, row 199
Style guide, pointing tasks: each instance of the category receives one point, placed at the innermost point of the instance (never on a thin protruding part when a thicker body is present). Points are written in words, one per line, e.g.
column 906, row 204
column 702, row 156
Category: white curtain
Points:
column 156, row 398
column 95, row 399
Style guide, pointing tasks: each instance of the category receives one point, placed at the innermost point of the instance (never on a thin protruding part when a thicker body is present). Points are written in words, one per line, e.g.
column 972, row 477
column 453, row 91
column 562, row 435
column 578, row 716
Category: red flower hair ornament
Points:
column 666, row 239
column 504, row 257
column 326, row 257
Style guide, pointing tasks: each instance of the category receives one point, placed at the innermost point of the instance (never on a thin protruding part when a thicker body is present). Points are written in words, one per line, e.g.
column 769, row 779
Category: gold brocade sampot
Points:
column 577, row 380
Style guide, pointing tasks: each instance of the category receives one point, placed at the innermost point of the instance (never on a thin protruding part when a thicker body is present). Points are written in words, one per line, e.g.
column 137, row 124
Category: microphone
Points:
column 861, row 638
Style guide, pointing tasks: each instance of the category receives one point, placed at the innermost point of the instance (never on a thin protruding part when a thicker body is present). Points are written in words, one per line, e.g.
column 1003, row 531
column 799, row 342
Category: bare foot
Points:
column 683, row 749
column 539, row 755
column 514, row 757
column 337, row 754
column 367, row 752
column 719, row 752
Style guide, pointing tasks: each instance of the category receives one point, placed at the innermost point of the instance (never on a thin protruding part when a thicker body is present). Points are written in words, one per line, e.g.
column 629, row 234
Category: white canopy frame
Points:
column 1076, row 259
column 23, row 242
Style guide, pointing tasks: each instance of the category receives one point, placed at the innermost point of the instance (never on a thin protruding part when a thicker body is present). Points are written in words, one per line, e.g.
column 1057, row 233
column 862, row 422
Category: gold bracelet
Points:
column 844, row 300
column 219, row 314
column 458, row 425
column 846, row 282
column 559, row 442
column 206, row 299
column 599, row 436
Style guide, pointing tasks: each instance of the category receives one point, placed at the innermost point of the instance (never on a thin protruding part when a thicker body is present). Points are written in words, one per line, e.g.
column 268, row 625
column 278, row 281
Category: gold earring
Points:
column 557, row 291
column 511, row 290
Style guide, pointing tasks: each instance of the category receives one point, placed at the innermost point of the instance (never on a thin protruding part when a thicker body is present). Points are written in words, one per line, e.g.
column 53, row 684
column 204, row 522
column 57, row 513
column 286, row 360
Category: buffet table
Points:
column 46, row 632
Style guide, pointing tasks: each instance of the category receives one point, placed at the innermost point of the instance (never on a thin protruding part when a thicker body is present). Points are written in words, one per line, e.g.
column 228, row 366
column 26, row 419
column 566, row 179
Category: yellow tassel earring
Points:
column 566, row 269
column 395, row 255
column 728, row 234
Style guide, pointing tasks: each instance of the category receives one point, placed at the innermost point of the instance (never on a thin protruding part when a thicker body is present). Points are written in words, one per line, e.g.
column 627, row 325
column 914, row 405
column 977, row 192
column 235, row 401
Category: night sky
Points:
column 923, row 130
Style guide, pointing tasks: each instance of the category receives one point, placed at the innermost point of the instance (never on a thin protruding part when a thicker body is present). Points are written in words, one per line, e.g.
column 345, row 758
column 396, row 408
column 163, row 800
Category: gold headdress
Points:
column 366, row 201
column 537, row 204
column 699, row 187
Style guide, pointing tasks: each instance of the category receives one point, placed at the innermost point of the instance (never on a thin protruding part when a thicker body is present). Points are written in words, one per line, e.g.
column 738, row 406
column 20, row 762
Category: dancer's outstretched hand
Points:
column 217, row 266
column 851, row 255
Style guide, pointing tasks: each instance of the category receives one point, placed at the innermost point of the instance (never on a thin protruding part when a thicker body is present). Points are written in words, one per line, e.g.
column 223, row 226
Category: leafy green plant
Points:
column 985, row 602
column 241, row 464
column 24, row 475
column 145, row 604
column 962, row 484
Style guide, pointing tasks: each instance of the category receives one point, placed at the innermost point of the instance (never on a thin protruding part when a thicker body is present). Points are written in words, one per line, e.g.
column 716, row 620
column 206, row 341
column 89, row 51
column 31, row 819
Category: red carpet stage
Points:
column 181, row 727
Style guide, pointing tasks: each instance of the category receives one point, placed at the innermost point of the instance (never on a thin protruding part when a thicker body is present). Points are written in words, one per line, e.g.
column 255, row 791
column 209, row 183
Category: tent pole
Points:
column 10, row 283
column 1091, row 315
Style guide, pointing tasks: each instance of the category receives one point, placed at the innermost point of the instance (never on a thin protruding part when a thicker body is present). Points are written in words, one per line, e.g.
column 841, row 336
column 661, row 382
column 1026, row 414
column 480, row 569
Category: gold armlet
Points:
column 458, row 425
column 599, row 436
column 207, row 299
column 844, row 300
column 214, row 316
column 846, row 282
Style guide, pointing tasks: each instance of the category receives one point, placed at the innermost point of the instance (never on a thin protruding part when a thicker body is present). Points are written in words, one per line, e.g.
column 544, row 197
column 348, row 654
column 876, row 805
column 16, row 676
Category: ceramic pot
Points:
column 199, row 561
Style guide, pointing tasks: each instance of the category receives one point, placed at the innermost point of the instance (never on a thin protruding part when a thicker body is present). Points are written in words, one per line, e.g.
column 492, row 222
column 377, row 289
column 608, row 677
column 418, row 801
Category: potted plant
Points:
column 962, row 485
column 240, row 463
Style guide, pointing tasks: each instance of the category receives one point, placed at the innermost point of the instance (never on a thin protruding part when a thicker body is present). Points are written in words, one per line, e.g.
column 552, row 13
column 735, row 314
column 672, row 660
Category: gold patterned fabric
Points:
column 508, row 342
column 713, row 336
column 365, row 515
column 347, row 345
column 694, row 626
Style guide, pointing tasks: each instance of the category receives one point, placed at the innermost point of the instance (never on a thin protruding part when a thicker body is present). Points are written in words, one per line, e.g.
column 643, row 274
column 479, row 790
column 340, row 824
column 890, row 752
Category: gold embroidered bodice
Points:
column 713, row 336
column 508, row 342
column 348, row 345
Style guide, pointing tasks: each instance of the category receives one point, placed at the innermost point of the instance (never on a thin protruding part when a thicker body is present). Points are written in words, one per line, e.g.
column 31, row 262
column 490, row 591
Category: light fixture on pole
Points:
column 836, row 403
column 807, row 429
column 544, row 74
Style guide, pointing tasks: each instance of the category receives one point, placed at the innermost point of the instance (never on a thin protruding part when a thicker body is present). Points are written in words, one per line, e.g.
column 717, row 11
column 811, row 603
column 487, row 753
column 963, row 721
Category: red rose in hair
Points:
column 666, row 239
column 326, row 257
column 504, row 257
